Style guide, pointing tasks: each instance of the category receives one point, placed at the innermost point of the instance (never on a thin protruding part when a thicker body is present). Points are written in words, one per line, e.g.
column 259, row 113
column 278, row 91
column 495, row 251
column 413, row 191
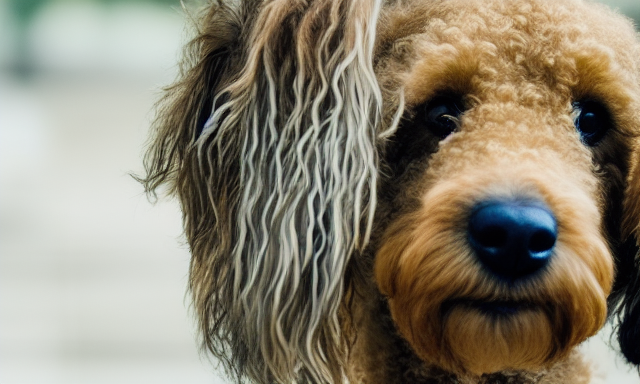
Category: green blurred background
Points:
column 24, row 11
column 92, row 277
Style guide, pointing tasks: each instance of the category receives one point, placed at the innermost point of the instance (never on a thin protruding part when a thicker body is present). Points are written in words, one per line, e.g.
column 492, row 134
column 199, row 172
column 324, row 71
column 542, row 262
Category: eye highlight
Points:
column 592, row 120
column 442, row 115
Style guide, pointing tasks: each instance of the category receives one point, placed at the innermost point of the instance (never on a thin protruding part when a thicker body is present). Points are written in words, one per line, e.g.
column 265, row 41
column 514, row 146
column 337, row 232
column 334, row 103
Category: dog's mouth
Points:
column 489, row 307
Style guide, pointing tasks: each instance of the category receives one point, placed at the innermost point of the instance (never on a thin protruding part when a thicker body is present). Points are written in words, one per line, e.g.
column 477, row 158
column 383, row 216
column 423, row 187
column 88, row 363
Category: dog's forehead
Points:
column 545, row 43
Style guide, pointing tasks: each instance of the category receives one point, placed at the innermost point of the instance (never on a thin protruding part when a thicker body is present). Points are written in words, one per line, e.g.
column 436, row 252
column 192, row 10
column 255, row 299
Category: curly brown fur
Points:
column 327, row 219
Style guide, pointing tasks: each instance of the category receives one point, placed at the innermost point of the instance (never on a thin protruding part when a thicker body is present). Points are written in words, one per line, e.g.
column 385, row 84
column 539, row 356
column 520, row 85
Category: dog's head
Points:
column 516, row 150
column 445, row 128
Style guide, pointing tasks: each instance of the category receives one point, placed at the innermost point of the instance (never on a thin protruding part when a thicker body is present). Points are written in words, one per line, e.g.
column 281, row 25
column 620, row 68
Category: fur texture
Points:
column 327, row 219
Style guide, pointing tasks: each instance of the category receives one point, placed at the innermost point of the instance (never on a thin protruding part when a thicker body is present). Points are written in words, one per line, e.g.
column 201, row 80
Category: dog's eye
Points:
column 592, row 120
column 442, row 115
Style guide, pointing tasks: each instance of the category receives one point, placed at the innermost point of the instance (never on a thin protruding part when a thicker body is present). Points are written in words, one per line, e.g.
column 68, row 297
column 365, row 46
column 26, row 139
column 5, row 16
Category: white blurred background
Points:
column 92, row 277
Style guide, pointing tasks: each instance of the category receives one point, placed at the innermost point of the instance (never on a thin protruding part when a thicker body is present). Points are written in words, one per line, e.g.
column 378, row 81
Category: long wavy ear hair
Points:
column 268, row 139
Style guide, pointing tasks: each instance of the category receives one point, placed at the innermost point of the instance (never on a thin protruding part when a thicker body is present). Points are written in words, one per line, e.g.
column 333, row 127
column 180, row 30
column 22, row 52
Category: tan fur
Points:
column 329, row 234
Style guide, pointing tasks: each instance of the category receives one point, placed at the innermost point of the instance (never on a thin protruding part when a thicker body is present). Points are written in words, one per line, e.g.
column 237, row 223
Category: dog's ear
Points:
column 187, row 104
column 628, row 310
column 269, row 141
column 626, row 292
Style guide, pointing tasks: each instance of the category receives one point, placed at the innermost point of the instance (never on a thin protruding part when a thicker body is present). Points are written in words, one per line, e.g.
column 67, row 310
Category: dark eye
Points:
column 592, row 120
column 442, row 115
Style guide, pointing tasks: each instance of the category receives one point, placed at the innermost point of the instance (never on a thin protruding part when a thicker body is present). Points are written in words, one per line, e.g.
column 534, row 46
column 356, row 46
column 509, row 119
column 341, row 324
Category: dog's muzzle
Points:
column 512, row 239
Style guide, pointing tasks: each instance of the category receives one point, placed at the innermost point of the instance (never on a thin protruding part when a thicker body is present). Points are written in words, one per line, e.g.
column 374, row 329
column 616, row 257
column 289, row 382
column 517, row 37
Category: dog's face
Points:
column 472, row 164
column 514, row 152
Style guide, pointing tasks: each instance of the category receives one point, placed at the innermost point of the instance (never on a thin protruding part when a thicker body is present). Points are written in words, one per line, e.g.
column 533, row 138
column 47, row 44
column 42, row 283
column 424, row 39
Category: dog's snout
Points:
column 512, row 239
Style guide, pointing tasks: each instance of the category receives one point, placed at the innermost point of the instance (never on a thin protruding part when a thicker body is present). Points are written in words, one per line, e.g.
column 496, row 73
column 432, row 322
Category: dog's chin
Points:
column 486, row 337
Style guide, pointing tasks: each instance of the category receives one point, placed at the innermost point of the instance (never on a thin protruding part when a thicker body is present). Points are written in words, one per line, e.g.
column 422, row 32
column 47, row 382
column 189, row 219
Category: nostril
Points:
column 542, row 241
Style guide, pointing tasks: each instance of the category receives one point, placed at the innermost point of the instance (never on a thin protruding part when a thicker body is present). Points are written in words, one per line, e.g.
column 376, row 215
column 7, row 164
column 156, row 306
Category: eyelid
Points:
column 455, row 119
column 575, row 111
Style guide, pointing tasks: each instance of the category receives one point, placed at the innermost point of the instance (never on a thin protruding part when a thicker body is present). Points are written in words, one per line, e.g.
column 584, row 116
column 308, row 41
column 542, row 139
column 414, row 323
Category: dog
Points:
column 407, row 191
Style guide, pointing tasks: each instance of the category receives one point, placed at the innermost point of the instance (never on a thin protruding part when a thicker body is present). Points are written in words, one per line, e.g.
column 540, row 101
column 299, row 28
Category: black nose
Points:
column 512, row 239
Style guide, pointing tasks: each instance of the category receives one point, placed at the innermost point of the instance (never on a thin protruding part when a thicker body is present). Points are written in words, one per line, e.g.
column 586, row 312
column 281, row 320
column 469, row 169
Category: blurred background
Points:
column 92, row 277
